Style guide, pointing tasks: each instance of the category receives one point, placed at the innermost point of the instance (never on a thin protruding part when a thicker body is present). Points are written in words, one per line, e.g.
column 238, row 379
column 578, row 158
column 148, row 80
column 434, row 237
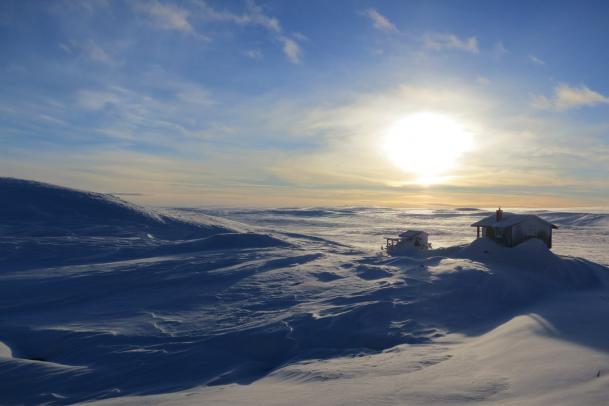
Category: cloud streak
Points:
column 568, row 97
column 90, row 50
column 445, row 41
column 173, row 17
column 166, row 16
column 254, row 16
column 536, row 60
column 500, row 49
column 379, row 21
column 291, row 49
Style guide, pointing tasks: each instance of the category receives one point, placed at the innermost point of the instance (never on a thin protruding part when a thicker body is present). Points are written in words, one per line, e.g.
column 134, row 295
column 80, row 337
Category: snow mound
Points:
column 578, row 219
column 533, row 251
column 43, row 225
column 240, row 241
column 311, row 212
column 533, row 259
column 89, row 317
column 40, row 209
column 226, row 241
column 5, row 351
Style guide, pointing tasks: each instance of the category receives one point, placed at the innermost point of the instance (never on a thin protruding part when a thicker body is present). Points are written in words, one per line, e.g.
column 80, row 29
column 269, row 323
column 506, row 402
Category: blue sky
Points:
column 288, row 103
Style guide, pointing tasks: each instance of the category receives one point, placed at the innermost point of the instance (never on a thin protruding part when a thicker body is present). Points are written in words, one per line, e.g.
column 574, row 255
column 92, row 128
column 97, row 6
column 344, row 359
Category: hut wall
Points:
column 532, row 229
column 422, row 240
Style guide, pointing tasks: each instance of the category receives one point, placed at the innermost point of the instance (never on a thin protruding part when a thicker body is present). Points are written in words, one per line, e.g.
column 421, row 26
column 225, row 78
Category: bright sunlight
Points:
column 427, row 145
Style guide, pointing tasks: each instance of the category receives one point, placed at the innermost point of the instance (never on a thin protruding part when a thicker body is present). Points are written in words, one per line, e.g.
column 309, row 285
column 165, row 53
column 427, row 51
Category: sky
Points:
column 309, row 103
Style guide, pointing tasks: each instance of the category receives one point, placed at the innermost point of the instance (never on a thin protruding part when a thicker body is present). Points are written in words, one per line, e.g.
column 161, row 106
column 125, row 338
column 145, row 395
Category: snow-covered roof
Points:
column 411, row 233
column 508, row 220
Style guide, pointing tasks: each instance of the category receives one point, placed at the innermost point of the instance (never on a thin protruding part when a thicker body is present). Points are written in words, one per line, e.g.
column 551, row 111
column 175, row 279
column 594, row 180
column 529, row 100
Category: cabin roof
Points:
column 411, row 233
column 508, row 220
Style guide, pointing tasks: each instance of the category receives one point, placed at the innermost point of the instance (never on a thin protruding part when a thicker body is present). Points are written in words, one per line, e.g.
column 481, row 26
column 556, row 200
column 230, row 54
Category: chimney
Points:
column 499, row 213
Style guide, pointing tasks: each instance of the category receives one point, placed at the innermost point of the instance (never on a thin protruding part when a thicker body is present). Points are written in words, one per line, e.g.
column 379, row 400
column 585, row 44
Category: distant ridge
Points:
column 36, row 208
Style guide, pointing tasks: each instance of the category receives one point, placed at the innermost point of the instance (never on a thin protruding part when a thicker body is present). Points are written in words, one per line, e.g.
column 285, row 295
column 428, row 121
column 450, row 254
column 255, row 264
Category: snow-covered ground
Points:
column 102, row 301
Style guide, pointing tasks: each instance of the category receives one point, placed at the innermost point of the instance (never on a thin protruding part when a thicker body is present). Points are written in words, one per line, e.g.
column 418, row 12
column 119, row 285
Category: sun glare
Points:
column 427, row 145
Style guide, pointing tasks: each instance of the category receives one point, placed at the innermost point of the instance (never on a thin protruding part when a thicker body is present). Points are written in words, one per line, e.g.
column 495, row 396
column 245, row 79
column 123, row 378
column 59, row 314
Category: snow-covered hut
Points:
column 407, row 241
column 511, row 229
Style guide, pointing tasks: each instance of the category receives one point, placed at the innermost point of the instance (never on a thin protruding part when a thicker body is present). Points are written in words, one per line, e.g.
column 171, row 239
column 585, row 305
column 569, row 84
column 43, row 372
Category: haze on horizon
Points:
column 270, row 103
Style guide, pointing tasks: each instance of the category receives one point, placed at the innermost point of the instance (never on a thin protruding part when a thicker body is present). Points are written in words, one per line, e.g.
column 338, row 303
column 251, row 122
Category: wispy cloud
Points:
column 96, row 100
column 291, row 49
column 253, row 53
column 156, row 114
column 89, row 49
column 536, row 60
column 300, row 36
column 166, row 16
column 89, row 7
column 254, row 15
column 567, row 97
column 500, row 49
column 444, row 41
column 379, row 21
column 483, row 80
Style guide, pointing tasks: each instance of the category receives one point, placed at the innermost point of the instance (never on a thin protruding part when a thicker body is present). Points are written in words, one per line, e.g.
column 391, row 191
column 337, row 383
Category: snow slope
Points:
column 47, row 225
column 525, row 361
column 296, row 307
column 34, row 208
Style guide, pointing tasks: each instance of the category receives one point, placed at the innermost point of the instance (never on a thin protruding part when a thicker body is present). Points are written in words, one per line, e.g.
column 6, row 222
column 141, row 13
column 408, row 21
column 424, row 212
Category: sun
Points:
column 427, row 145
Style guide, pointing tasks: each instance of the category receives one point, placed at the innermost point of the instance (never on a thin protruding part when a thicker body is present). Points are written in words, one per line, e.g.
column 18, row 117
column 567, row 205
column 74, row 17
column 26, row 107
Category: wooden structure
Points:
column 511, row 229
column 408, row 242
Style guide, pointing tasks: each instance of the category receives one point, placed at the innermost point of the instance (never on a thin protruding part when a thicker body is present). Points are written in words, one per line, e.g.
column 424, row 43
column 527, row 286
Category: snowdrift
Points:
column 578, row 219
column 533, row 258
column 220, row 317
column 40, row 209
column 88, row 316
column 43, row 225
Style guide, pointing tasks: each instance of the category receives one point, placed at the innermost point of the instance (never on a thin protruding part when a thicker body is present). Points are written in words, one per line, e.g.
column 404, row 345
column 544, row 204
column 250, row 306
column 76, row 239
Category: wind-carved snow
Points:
column 290, row 306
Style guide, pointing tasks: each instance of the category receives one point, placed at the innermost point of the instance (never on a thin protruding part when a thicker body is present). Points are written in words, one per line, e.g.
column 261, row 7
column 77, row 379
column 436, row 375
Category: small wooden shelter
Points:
column 408, row 241
column 511, row 229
